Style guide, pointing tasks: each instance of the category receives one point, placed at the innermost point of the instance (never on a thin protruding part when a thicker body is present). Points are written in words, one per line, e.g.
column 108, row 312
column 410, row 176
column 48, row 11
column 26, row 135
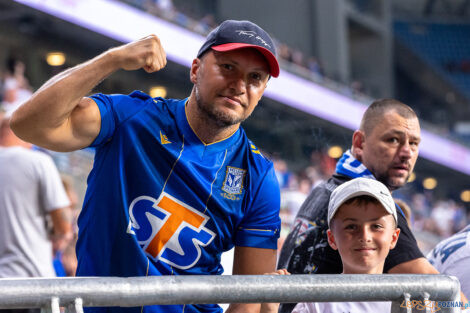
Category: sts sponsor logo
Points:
column 169, row 230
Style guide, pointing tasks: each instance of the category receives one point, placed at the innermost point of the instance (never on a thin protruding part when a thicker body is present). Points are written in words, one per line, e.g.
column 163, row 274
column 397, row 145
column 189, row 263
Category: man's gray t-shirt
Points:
column 30, row 188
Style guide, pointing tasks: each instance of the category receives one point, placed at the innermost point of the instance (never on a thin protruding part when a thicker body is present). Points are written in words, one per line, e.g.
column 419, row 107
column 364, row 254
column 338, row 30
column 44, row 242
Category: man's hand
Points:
column 146, row 53
column 273, row 307
column 251, row 261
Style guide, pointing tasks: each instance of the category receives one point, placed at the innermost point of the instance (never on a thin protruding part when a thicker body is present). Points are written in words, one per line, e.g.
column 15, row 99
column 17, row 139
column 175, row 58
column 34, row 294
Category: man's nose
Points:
column 238, row 84
column 405, row 152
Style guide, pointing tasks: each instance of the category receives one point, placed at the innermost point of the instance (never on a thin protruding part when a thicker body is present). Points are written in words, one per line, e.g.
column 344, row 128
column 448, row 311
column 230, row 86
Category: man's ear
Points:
column 331, row 240
column 358, row 144
column 195, row 66
column 395, row 235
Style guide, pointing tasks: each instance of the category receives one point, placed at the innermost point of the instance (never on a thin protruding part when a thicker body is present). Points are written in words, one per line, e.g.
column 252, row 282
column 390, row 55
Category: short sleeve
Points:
column 114, row 110
column 52, row 190
column 261, row 224
column 406, row 249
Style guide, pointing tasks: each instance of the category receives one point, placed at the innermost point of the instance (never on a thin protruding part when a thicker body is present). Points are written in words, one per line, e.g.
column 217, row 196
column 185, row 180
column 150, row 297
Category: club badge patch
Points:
column 233, row 183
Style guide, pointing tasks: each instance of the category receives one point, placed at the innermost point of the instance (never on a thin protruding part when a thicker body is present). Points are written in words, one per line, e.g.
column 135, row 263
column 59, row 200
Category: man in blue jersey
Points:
column 175, row 182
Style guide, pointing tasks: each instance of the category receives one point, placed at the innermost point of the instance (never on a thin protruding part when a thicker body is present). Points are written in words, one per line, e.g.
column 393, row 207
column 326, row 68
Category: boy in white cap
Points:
column 362, row 222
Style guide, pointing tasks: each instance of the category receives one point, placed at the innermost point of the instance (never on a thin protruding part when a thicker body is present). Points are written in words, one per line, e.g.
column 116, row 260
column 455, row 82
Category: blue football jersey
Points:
column 161, row 202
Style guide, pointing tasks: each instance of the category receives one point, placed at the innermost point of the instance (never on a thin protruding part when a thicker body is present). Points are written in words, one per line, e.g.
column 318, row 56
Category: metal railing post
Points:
column 75, row 307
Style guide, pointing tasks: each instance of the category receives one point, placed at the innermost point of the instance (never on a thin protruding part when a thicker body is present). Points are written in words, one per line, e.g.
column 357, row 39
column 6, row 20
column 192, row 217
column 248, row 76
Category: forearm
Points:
column 51, row 106
column 251, row 261
column 62, row 228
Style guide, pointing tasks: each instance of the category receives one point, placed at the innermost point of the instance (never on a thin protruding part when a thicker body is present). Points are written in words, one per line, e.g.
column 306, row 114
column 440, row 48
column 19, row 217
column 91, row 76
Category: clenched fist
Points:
column 146, row 53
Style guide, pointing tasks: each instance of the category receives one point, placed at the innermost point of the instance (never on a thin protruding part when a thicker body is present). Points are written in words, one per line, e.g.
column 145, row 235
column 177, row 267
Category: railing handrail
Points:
column 138, row 291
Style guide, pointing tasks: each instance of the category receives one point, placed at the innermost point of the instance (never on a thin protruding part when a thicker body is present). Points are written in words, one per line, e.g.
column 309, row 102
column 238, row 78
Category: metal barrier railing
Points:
column 74, row 293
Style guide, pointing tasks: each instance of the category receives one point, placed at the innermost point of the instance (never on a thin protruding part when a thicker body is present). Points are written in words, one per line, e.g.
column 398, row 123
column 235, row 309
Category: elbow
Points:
column 25, row 125
column 15, row 123
column 19, row 126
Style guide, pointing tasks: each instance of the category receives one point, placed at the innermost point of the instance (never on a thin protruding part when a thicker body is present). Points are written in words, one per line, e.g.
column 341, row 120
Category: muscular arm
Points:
column 58, row 117
column 251, row 261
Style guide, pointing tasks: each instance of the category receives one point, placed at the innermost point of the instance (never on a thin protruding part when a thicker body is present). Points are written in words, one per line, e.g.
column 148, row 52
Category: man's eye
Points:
column 227, row 66
column 256, row 76
column 377, row 226
column 350, row 226
column 393, row 140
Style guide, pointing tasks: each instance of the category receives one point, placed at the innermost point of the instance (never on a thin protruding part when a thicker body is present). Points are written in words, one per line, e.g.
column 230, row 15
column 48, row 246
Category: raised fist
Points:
column 146, row 53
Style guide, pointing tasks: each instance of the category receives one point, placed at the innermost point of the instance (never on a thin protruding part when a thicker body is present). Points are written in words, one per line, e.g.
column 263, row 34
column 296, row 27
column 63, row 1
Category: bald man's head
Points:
column 376, row 111
column 387, row 142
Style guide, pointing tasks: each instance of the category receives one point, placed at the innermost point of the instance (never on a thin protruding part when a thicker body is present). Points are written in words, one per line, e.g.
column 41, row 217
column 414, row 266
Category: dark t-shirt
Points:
column 306, row 249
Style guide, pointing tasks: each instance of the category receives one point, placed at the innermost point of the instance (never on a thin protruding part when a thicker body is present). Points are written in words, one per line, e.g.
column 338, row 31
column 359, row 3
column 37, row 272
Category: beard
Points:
column 214, row 115
column 392, row 183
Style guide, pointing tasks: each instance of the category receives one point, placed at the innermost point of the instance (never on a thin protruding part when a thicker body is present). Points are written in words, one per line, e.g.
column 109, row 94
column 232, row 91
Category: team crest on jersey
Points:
column 233, row 183
column 169, row 230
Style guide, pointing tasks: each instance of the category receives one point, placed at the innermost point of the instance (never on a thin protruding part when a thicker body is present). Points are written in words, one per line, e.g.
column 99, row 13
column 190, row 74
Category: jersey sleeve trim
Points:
column 257, row 238
column 107, row 120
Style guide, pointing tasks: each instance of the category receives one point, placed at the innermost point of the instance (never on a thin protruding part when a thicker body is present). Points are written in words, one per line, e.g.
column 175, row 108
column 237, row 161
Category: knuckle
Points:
column 154, row 38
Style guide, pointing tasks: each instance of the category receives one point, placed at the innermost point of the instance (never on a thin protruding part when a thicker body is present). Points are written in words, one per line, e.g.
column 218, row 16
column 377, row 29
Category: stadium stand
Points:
column 444, row 46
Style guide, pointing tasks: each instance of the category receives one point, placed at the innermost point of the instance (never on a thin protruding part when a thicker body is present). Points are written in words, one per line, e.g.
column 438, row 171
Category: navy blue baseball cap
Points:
column 233, row 35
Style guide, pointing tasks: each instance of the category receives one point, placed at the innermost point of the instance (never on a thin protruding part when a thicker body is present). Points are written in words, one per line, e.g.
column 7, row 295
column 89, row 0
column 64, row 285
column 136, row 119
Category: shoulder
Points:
column 317, row 201
column 171, row 104
column 117, row 98
column 116, row 109
column 41, row 159
column 328, row 186
column 136, row 100
column 255, row 152
column 29, row 160
column 258, row 163
column 30, row 155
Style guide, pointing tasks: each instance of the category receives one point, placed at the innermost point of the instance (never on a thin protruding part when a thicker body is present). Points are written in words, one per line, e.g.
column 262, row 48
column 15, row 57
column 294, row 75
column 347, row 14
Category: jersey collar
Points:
column 193, row 139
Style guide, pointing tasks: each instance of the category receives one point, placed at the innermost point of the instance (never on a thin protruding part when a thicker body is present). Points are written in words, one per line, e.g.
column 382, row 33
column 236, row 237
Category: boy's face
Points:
column 363, row 233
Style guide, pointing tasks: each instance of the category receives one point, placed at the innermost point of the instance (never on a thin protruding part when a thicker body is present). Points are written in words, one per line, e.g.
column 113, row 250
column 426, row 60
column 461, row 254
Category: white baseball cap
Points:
column 360, row 187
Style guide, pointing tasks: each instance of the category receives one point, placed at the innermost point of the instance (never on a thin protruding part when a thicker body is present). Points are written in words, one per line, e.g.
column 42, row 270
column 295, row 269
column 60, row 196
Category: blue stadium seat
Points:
column 444, row 46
